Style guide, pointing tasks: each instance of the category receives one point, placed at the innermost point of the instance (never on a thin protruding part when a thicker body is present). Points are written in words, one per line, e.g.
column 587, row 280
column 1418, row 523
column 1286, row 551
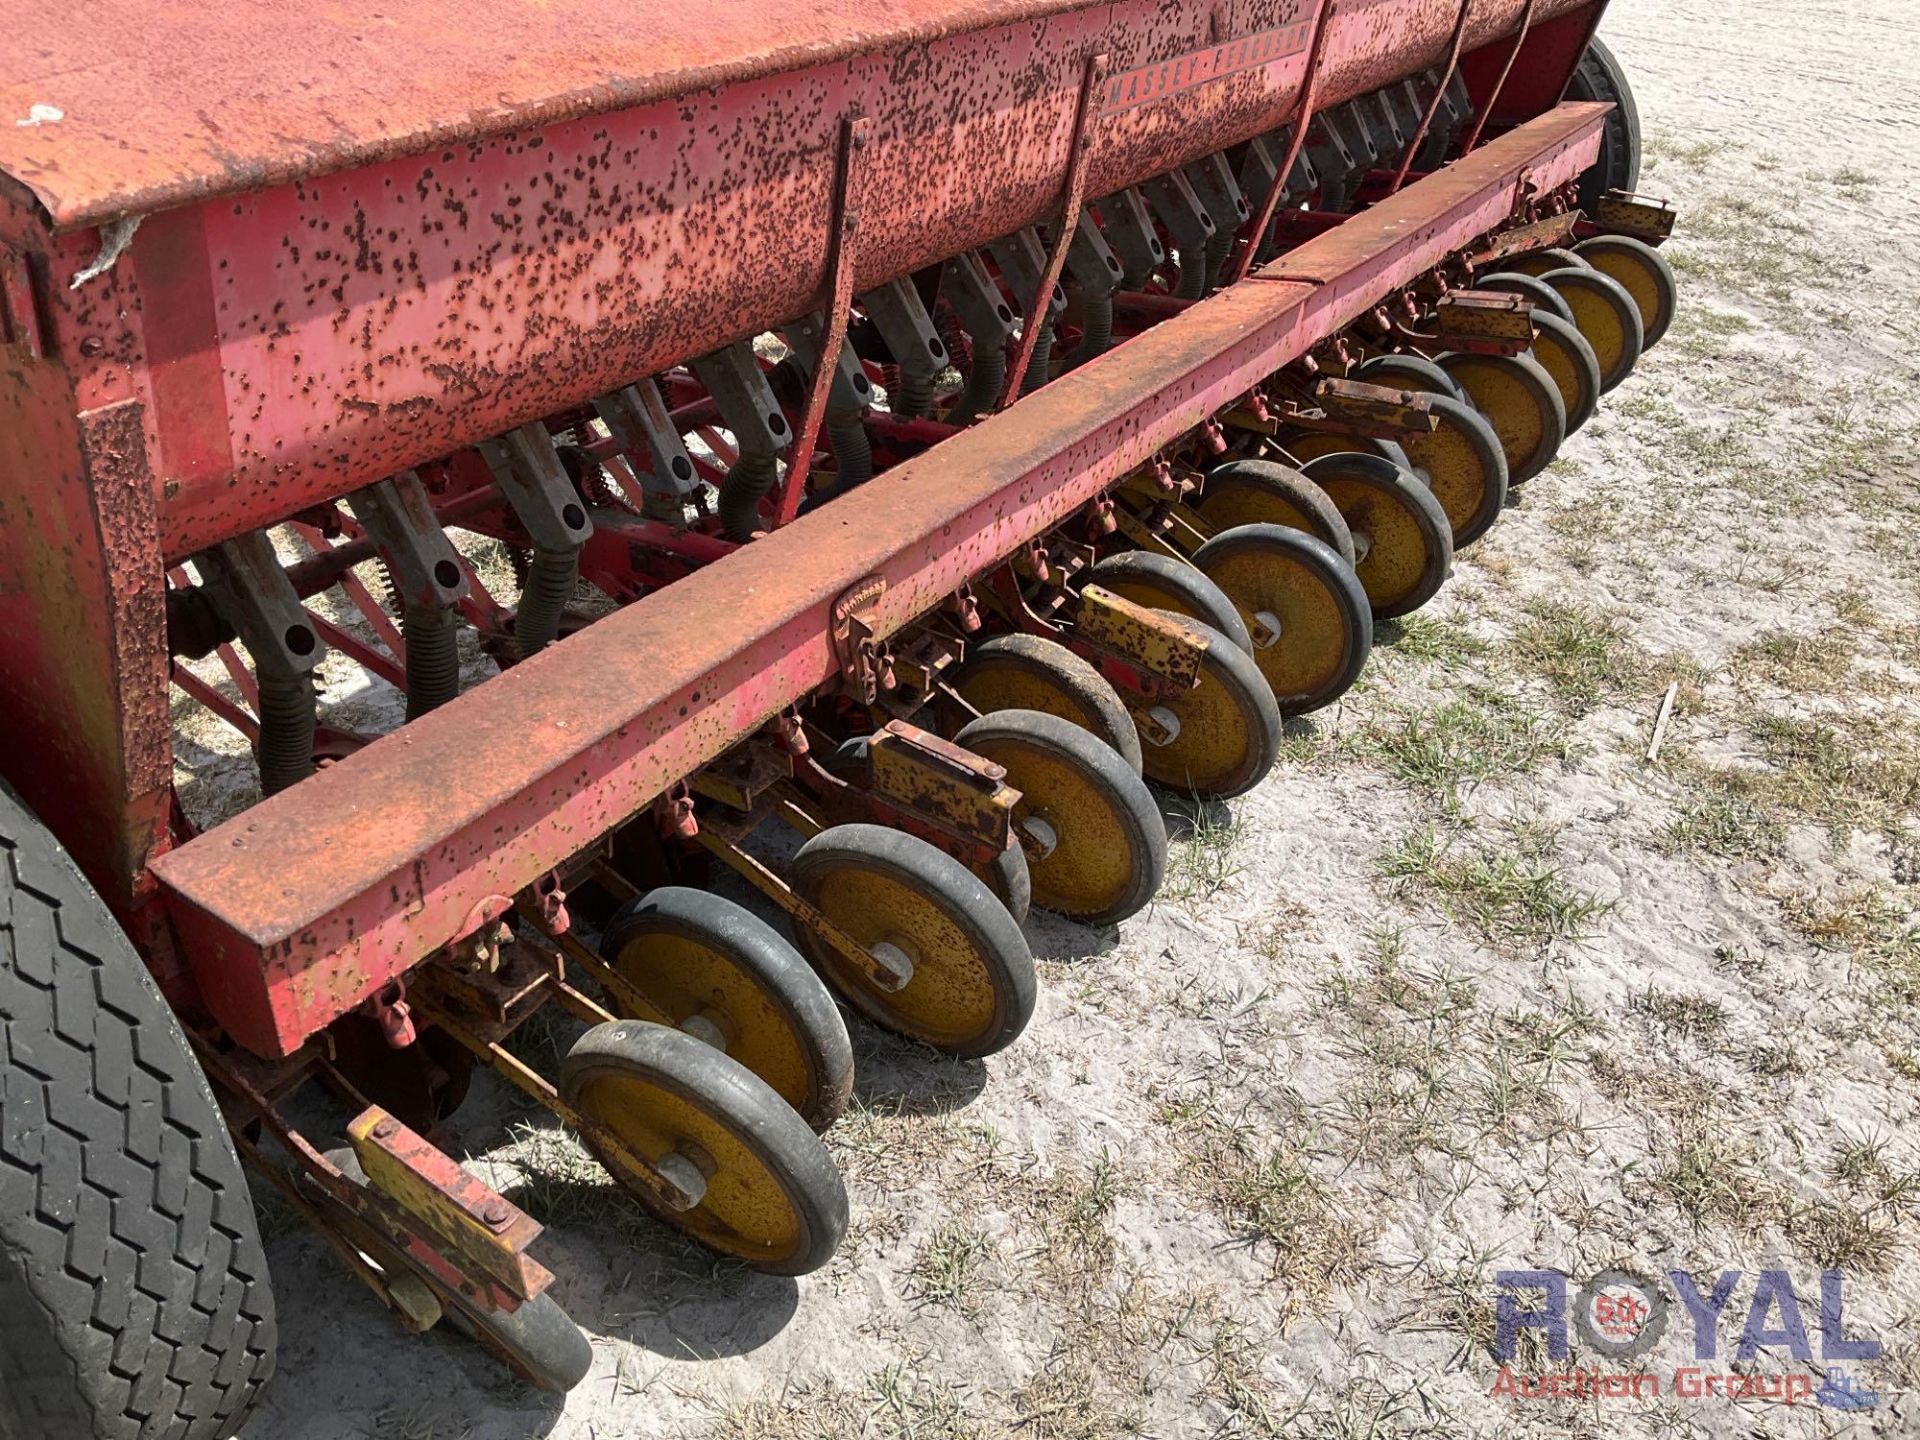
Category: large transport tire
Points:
column 1601, row 77
column 134, row 1298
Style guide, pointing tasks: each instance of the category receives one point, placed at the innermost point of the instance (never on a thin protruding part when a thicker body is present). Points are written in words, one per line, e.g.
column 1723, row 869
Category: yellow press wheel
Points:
column 1540, row 262
column 965, row 982
column 1461, row 461
column 1005, row 874
column 1220, row 738
column 1265, row 492
column 722, row 974
column 1569, row 361
column 1031, row 672
column 1644, row 272
column 1607, row 316
column 1095, row 842
column 1520, row 401
column 764, row 1188
column 1161, row 582
column 1304, row 445
column 1306, row 609
column 1400, row 533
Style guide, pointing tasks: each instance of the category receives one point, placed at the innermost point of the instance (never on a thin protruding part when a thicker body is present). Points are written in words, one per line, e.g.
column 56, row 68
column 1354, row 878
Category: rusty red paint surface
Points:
column 294, row 342
column 300, row 908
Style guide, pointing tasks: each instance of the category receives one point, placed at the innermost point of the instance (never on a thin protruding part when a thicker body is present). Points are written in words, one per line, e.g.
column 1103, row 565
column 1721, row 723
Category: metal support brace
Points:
column 1296, row 147
column 1043, row 292
column 1506, row 69
column 839, row 299
column 1426, row 120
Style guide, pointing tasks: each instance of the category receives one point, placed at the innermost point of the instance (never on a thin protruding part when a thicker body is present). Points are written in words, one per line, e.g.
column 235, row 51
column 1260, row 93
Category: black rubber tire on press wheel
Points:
column 780, row 1147
column 960, row 902
column 801, row 1047
column 1601, row 77
column 1031, row 672
column 112, row 1168
column 1053, row 761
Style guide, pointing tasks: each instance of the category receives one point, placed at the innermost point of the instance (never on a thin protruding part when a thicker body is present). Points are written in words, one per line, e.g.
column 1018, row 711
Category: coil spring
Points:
column 751, row 477
column 433, row 657
column 288, row 709
column 551, row 575
column 852, row 453
column 1040, row 367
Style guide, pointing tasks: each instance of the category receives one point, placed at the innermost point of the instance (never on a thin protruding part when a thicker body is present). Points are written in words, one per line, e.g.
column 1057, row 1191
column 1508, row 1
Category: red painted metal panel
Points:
column 308, row 338
column 304, row 905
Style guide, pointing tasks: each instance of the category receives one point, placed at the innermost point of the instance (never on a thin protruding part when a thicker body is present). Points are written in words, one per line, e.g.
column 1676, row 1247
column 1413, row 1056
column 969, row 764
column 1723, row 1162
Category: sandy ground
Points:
column 1467, row 985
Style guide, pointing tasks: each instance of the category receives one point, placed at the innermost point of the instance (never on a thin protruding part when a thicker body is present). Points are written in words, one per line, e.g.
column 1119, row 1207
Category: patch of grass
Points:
column 1840, row 1237
column 1867, row 924
column 1430, row 639
column 1482, row 734
column 1405, row 1029
column 1585, row 657
column 1659, row 146
column 950, row 1269
column 1730, row 826
column 1205, row 859
column 1266, row 1191
column 1274, row 1196
column 1700, row 332
column 1071, row 1211
column 1819, row 664
column 1852, row 182
column 1699, row 1018
column 1513, row 895
column 1712, row 1177
column 1840, row 772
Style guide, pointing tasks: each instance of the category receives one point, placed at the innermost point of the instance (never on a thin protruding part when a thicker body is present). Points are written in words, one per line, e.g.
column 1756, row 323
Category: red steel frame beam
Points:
column 329, row 889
